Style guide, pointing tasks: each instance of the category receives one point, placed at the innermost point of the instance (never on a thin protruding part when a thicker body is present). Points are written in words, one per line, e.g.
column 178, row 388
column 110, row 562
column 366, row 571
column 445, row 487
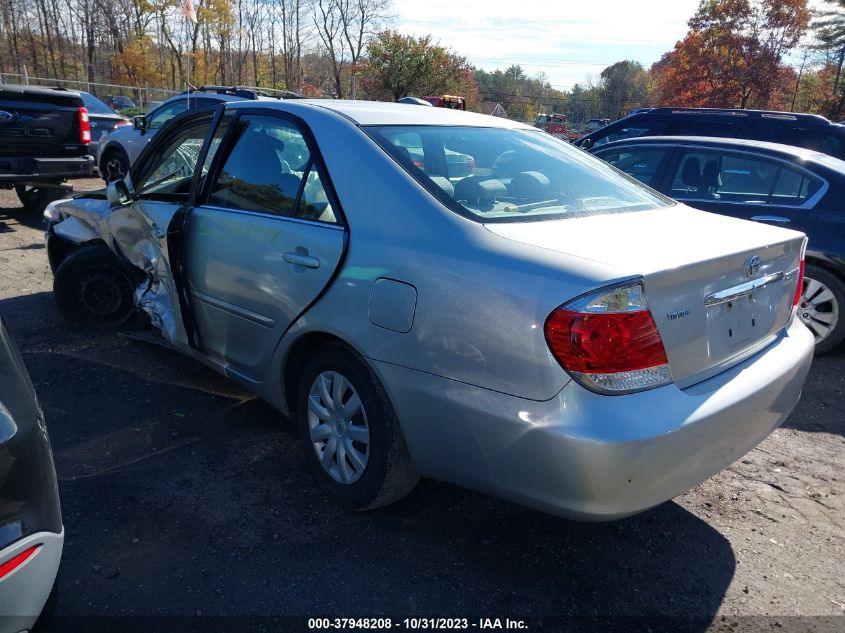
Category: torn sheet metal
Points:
column 138, row 233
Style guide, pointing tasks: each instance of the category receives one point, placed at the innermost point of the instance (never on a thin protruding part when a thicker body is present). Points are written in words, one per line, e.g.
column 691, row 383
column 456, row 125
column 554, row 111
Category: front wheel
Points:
column 820, row 307
column 93, row 290
column 350, row 433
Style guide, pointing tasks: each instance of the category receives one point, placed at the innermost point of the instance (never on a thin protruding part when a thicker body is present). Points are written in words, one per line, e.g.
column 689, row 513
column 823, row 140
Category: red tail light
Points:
column 800, row 288
column 608, row 341
column 84, row 127
column 13, row 563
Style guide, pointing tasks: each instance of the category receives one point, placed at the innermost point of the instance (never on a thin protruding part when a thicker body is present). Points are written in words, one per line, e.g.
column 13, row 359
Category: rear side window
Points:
column 641, row 163
column 702, row 128
column 631, row 130
column 177, row 106
column 271, row 170
column 739, row 178
column 826, row 140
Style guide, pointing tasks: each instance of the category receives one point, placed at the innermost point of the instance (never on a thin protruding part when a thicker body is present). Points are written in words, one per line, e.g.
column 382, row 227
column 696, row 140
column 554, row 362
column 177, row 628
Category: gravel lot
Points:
column 183, row 495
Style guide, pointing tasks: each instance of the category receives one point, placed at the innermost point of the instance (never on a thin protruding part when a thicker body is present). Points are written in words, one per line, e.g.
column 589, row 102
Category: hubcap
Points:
column 101, row 293
column 114, row 170
column 337, row 425
column 819, row 308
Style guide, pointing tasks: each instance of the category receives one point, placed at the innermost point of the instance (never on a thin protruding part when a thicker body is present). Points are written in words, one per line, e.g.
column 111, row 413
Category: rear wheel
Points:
column 115, row 166
column 349, row 431
column 93, row 290
column 820, row 307
column 35, row 198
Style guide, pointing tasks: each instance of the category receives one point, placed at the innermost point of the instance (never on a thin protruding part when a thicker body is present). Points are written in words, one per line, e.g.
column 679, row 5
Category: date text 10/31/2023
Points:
column 419, row 623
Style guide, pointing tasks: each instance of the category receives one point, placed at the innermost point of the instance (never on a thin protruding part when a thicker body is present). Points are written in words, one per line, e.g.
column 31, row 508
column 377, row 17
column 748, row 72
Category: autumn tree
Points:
column 733, row 54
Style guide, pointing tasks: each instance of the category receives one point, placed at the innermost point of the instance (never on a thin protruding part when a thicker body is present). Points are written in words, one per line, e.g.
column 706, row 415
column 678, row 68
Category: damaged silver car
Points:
column 530, row 323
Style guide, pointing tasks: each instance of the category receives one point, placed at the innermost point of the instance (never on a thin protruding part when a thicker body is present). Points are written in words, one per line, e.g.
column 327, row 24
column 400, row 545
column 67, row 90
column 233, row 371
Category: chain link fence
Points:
column 144, row 97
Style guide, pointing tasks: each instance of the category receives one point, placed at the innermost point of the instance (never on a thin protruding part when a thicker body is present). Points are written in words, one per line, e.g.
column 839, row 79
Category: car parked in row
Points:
column 122, row 146
column 31, row 531
column 545, row 329
column 103, row 120
column 802, row 130
column 120, row 102
column 765, row 182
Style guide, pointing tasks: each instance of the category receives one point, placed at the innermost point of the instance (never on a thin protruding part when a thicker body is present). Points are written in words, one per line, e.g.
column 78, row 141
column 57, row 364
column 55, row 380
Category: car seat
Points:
column 691, row 174
column 711, row 179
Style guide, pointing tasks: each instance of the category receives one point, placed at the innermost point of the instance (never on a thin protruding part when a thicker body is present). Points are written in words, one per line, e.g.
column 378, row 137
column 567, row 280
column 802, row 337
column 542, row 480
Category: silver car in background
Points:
column 542, row 328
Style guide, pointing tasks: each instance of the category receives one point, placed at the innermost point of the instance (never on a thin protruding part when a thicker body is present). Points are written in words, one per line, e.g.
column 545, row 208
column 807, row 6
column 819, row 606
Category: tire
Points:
column 114, row 166
column 35, row 199
column 388, row 474
column 821, row 307
column 94, row 290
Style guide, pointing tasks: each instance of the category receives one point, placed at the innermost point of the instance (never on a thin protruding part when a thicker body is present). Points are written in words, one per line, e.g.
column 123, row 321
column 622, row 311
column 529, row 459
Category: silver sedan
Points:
column 530, row 323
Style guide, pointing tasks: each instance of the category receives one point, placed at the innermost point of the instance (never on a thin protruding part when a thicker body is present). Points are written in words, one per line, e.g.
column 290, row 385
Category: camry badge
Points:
column 678, row 314
column 752, row 265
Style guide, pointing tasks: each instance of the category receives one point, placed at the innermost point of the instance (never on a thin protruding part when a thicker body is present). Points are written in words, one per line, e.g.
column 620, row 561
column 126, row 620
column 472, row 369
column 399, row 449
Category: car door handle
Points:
column 299, row 259
column 771, row 218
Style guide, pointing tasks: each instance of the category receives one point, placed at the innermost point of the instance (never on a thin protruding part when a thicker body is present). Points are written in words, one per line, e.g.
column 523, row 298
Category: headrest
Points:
column 529, row 184
column 691, row 172
column 480, row 189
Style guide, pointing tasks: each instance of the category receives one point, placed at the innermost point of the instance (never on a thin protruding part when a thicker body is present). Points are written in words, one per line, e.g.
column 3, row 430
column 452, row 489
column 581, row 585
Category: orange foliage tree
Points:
column 732, row 55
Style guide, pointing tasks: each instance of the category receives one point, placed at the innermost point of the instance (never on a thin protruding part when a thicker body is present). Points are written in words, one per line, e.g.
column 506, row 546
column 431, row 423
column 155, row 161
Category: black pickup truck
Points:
column 44, row 138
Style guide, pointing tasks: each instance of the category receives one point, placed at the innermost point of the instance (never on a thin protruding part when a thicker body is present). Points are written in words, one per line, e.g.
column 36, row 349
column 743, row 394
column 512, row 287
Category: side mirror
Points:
column 140, row 122
column 587, row 144
column 118, row 193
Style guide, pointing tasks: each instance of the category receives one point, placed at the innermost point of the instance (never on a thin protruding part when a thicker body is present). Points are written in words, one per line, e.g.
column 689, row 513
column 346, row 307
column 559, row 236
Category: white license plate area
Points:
column 738, row 324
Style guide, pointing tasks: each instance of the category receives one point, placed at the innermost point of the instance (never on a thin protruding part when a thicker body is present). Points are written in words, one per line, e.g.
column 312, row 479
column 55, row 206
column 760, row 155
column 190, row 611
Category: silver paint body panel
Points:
column 481, row 400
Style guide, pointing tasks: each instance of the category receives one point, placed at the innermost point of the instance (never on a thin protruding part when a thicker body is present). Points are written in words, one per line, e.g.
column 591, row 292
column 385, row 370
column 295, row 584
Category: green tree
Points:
column 829, row 30
column 624, row 85
column 399, row 65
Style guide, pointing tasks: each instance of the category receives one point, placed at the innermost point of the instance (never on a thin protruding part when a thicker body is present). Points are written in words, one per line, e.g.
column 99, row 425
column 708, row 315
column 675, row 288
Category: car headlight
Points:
column 52, row 213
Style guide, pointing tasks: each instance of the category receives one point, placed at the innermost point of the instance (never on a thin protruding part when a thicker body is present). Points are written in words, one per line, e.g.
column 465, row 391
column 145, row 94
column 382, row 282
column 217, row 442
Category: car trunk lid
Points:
column 719, row 288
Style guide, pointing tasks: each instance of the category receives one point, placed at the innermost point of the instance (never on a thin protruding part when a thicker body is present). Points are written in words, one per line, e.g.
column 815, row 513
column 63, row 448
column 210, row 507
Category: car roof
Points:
column 386, row 113
column 37, row 89
column 791, row 151
column 774, row 116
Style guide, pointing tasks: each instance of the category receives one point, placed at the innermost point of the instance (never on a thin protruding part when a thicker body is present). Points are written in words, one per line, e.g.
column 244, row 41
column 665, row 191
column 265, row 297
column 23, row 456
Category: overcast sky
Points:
column 568, row 41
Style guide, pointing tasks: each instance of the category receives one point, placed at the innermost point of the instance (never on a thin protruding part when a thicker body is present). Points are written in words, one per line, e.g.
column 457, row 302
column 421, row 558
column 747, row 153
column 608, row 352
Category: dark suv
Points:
column 802, row 130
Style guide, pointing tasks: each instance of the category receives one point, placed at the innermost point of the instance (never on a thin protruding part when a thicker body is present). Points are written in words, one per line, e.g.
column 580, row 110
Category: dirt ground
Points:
column 183, row 495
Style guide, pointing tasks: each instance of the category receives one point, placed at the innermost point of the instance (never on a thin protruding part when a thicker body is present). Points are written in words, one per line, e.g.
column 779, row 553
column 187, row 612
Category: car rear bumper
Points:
column 593, row 457
column 32, row 170
column 24, row 591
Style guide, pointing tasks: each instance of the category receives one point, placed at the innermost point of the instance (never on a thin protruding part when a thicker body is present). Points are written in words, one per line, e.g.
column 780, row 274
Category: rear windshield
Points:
column 94, row 105
column 507, row 175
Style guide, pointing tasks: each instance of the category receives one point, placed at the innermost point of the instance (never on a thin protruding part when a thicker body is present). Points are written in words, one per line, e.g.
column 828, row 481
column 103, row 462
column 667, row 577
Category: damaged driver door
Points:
column 163, row 181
